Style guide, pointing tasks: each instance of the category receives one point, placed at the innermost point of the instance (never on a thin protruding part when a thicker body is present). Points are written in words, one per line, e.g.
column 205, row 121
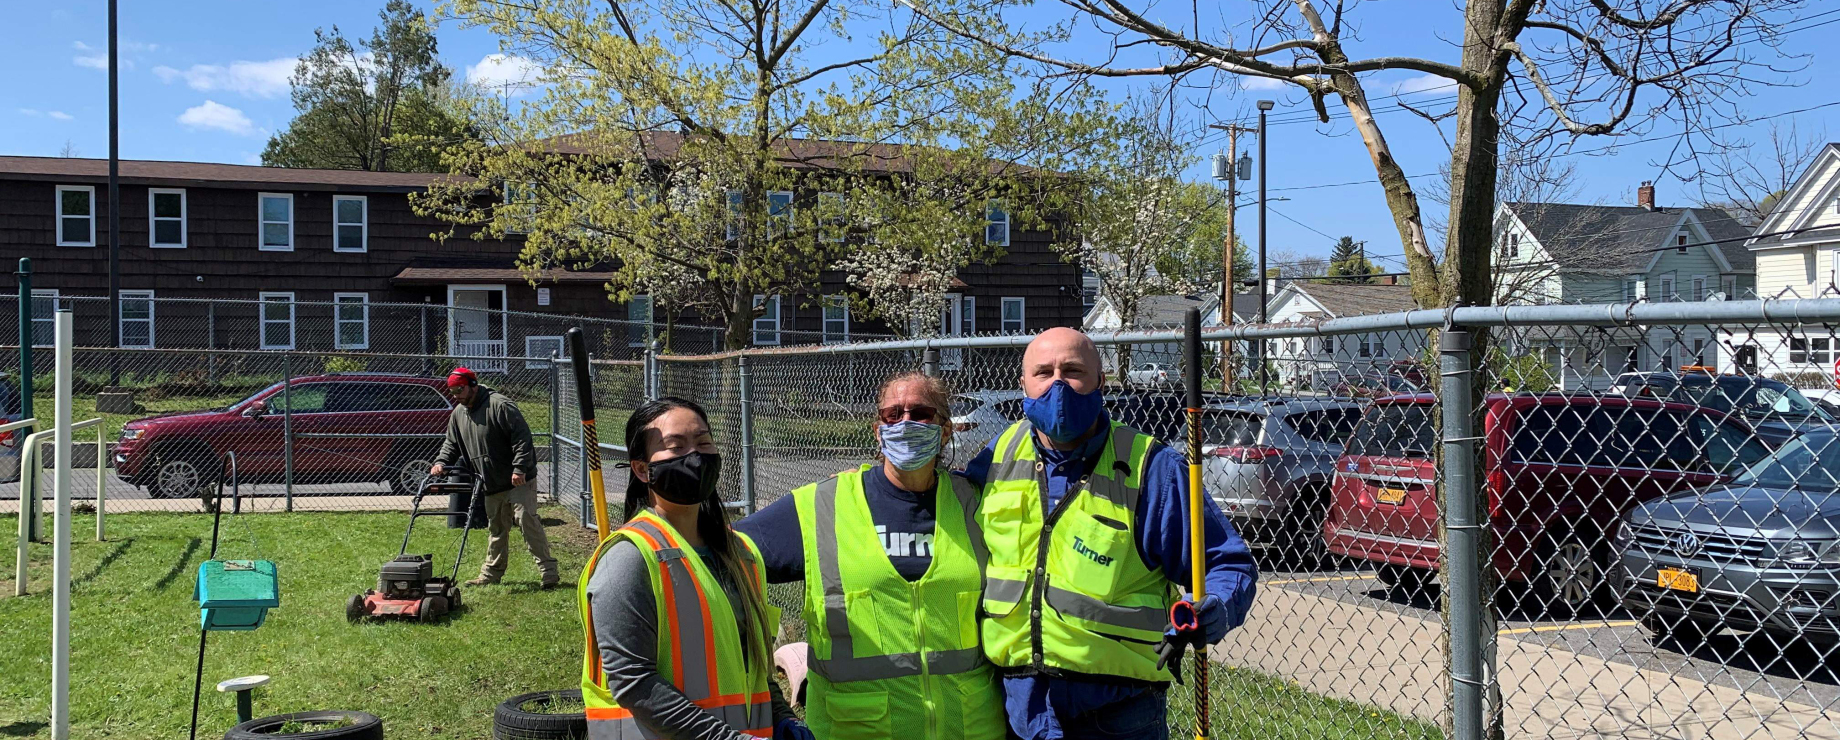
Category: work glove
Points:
column 1193, row 624
column 792, row 729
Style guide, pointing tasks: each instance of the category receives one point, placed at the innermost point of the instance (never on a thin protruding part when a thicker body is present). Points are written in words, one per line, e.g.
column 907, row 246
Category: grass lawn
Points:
column 1253, row 706
column 135, row 629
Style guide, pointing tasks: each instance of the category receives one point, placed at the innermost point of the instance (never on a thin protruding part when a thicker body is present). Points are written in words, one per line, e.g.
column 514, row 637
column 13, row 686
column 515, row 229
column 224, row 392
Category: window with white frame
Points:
column 1680, row 242
column 1368, row 347
column 350, row 223
column 1699, row 287
column 737, row 204
column 277, row 214
column 277, row 320
column 520, row 206
column 1631, row 359
column 1728, row 284
column 76, row 215
column 836, row 319
column 639, row 314
column 1514, row 245
column 1810, row 351
column 44, row 317
column 1699, row 352
column 1667, row 289
column 1013, row 322
column 779, row 212
column 836, row 225
column 166, row 217
column 766, row 325
column 996, row 223
column 136, row 324
column 544, row 346
column 351, row 320
column 1631, row 293
column 1665, row 358
column 1328, row 345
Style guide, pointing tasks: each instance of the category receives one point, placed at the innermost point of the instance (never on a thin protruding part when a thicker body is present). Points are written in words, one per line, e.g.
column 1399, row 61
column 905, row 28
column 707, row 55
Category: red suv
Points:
column 180, row 455
column 1560, row 472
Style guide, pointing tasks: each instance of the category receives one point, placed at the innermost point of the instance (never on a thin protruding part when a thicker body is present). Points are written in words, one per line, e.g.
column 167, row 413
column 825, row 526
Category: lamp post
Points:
column 1265, row 106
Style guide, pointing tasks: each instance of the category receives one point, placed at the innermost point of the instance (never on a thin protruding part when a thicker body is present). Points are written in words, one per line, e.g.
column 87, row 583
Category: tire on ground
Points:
column 360, row 726
column 511, row 722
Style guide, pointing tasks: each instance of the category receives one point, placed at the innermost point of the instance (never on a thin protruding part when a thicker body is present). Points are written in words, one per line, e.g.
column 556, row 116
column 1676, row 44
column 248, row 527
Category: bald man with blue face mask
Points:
column 1076, row 600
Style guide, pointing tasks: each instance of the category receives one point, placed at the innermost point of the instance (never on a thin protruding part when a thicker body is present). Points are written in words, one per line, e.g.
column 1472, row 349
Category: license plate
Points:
column 1677, row 580
column 1390, row 495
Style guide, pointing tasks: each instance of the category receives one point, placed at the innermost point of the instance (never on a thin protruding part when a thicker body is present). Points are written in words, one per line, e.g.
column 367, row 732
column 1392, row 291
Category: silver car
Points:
column 1759, row 554
column 1268, row 463
column 979, row 417
column 11, row 443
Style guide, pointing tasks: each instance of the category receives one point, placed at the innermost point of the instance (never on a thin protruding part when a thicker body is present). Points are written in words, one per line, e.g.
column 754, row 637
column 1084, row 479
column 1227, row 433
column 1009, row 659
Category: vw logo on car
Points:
column 1685, row 544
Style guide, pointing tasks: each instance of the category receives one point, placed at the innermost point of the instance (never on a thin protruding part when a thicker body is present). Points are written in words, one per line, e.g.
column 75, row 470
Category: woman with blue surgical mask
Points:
column 891, row 562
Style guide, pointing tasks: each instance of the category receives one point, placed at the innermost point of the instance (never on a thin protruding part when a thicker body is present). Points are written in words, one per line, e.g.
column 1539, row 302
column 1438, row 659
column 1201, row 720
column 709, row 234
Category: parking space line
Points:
column 1324, row 579
column 1562, row 627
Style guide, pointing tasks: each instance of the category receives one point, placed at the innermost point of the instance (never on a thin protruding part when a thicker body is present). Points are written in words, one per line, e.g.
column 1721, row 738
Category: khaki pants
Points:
column 517, row 506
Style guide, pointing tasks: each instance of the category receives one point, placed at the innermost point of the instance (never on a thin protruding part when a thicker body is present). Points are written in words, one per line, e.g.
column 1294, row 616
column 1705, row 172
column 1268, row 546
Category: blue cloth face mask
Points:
column 909, row 444
column 1063, row 413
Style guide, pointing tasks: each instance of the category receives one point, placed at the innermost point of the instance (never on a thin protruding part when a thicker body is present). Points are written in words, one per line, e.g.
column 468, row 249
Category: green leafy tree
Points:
column 383, row 104
column 706, row 153
column 1349, row 263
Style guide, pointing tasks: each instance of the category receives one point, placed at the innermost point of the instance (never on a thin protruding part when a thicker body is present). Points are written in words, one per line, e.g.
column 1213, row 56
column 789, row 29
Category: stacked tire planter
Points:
column 340, row 725
column 515, row 720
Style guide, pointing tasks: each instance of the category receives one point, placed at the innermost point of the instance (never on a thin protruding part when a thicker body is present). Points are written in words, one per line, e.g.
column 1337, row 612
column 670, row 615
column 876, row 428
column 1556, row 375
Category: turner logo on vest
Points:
column 905, row 544
column 1079, row 546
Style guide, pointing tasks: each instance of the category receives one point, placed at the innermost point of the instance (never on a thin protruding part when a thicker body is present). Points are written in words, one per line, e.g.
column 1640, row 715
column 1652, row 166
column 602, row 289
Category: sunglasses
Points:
column 894, row 414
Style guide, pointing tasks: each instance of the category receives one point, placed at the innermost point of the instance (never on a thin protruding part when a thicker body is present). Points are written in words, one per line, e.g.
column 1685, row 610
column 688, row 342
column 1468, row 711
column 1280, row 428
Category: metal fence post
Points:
column 287, row 427
column 1462, row 536
column 555, row 413
column 25, row 337
column 210, row 340
column 746, row 388
column 649, row 369
column 929, row 362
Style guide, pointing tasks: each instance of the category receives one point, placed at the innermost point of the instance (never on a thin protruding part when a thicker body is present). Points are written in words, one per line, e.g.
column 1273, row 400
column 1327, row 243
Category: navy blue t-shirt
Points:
column 903, row 519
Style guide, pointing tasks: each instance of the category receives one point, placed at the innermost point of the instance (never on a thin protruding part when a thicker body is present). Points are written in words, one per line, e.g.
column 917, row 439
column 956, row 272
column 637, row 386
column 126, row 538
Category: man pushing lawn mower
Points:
column 491, row 430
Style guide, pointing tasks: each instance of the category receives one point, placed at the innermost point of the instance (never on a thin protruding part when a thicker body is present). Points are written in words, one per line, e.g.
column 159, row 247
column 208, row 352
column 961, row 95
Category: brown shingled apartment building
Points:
column 269, row 235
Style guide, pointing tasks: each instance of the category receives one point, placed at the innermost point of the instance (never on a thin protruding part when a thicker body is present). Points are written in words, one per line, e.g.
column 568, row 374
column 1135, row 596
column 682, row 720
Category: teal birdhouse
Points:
column 235, row 595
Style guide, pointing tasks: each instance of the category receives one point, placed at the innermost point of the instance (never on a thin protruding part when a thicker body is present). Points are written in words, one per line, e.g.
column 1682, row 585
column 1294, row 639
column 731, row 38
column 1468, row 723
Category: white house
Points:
column 1572, row 253
column 1307, row 362
column 1797, row 248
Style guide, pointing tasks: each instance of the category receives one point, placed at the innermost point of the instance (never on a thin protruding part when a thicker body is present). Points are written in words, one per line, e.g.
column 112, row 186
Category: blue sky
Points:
column 206, row 80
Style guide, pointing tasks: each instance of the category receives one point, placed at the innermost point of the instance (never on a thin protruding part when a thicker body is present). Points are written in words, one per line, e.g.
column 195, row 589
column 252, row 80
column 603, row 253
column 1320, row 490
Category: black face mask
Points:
column 687, row 479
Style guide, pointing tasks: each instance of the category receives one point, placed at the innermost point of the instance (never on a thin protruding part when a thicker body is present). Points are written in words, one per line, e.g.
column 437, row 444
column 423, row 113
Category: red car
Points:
column 181, row 455
column 1560, row 472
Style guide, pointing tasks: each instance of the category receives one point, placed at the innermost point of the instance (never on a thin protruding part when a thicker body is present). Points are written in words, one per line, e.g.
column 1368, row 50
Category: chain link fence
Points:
column 1551, row 522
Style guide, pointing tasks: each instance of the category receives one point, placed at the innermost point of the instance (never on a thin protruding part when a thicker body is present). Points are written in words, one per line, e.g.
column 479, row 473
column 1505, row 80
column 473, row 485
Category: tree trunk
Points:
column 1401, row 200
column 740, row 318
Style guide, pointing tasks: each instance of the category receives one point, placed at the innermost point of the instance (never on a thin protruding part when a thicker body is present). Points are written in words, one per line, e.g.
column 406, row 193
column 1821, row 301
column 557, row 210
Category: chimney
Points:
column 1645, row 195
column 1389, row 280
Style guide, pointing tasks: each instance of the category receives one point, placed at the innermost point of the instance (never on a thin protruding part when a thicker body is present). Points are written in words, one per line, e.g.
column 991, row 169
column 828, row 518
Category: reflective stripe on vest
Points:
column 690, row 653
column 843, row 665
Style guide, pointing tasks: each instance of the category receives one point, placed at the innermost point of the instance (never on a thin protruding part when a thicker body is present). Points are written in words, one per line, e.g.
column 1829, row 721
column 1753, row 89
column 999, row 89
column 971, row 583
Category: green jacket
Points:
column 496, row 440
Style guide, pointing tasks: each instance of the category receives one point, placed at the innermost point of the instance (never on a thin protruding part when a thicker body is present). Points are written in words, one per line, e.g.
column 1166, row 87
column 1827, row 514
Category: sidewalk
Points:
column 1391, row 660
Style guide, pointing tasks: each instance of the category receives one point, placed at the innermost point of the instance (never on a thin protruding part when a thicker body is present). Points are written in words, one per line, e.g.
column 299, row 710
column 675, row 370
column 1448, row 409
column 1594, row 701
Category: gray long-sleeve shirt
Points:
column 626, row 628
column 495, row 437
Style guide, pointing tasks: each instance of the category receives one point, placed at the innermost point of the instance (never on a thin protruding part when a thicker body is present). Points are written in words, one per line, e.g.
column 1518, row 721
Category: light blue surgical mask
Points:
column 909, row 444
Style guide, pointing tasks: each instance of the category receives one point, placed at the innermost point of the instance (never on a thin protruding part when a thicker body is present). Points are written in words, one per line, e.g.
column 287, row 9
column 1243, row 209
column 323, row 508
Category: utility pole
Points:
column 1235, row 170
column 1265, row 105
column 114, row 209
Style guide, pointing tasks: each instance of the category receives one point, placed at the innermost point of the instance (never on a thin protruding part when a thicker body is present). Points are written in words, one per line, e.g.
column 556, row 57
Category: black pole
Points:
column 1264, row 317
column 114, row 208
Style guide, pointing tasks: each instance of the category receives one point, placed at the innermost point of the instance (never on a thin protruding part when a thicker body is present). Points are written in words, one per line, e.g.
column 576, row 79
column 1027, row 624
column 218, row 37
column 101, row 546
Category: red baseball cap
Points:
column 461, row 376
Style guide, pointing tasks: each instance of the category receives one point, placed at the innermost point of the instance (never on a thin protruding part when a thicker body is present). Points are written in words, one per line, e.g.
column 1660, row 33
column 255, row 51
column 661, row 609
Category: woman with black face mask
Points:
column 673, row 603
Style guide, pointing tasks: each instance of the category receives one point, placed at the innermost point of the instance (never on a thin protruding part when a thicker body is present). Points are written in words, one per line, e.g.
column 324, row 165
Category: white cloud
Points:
column 505, row 71
column 59, row 115
column 1261, row 83
column 255, row 79
column 97, row 61
column 98, row 58
column 1423, row 83
column 215, row 115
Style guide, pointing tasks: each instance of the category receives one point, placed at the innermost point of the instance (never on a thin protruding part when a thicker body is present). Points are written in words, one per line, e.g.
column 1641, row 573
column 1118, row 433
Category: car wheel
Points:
column 406, row 476
column 1401, row 580
column 1573, row 575
column 180, row 476
column 1304, row 547
column 1683, row 633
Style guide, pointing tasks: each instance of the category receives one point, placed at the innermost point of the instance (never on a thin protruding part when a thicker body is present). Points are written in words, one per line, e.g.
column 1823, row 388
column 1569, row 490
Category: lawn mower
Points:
column 406, row 586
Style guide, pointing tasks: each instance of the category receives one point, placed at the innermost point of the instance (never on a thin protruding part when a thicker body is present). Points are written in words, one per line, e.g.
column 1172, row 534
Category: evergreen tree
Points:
column 1349, row 263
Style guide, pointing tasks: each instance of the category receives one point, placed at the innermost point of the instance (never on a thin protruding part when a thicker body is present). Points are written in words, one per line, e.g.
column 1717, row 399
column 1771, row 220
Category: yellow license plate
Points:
column 1390, row 495
column 1677, row 580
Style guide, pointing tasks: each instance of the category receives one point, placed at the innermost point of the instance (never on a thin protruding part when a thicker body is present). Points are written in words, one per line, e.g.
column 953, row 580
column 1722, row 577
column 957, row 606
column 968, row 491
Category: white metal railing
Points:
column 483, row 348
column 30, row 465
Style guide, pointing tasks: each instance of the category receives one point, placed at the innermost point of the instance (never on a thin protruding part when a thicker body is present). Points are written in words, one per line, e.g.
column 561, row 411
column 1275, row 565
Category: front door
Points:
column 477, row 325
column 959, row 319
